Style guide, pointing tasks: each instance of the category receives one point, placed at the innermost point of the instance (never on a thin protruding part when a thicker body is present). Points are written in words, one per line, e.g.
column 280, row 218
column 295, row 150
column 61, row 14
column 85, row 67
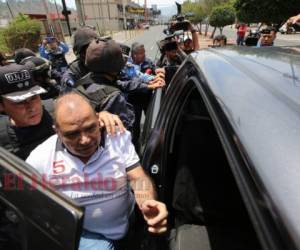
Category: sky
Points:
column 160, row 3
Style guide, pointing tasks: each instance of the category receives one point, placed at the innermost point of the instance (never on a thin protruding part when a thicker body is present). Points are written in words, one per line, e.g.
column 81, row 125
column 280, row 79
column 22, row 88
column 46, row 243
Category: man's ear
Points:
column 55, row 128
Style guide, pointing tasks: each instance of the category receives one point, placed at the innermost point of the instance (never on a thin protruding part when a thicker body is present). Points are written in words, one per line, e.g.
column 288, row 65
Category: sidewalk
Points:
column 206, row 41
column 125, row 35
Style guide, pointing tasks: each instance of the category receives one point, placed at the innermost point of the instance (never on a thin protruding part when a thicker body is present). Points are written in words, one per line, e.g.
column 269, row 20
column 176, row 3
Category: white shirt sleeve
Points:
column 39, row 158
column 127, row 150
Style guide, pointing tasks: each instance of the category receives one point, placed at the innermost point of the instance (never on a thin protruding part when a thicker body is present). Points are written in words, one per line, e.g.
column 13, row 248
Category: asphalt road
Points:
column 149, row 39
column 155, row 33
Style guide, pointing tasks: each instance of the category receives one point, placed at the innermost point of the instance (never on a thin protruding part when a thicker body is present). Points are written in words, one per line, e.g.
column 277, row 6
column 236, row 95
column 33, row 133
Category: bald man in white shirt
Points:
column 99, row 172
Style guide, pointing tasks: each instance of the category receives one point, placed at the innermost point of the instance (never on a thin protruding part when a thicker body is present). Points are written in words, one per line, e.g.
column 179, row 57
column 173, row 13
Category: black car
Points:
column 33, row 215
column 222, row 145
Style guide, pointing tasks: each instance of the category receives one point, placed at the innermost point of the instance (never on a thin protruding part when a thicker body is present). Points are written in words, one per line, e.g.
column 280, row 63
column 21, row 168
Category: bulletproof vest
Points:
column 21, row 141
column 78, row 69
column 97, row 89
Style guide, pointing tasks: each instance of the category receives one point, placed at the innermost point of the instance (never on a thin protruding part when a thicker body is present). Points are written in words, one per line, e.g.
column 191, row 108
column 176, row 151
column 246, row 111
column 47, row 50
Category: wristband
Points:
column 193, row 31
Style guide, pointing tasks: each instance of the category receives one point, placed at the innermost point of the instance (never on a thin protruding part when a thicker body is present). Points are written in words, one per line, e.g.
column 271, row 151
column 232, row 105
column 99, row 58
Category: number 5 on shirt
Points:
column 58, row 167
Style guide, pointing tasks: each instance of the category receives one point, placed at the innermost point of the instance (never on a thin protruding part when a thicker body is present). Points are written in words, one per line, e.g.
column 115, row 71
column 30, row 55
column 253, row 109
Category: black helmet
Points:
column 82, row 38
column 23, row 53
column 39, row 67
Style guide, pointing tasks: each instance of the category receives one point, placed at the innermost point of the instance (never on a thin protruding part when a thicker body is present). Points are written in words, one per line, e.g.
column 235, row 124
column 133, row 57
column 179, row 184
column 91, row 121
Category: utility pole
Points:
column 80, row 12
column 102, row 18
column 109, row 16
column 48, row 17
column 146, row 16
column 66, row 13
column 108, row 9
column 59, row 21
column 12, row 15
column 124, row 15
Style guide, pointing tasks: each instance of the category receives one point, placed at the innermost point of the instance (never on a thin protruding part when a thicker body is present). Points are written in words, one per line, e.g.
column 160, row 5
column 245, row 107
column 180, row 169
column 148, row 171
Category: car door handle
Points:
column 154, row 169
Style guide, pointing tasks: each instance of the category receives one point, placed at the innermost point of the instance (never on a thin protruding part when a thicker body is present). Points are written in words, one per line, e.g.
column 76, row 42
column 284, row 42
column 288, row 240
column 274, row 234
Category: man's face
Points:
column 171, row 54
column 53, row 45
column 268, row 39
column 139, row 56
column 80, row 133
column 25, row 113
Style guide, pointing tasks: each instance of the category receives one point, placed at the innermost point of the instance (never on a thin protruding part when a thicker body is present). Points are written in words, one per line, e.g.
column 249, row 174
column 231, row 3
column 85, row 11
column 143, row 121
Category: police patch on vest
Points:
column 19, row 76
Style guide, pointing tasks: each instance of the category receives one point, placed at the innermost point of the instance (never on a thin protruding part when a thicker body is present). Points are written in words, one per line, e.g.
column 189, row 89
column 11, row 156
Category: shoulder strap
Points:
column 85, row 80
column 98, row 94
column 5, row 141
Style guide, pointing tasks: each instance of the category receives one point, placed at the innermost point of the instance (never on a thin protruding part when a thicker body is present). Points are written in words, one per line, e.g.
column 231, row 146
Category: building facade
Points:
column 108, row 14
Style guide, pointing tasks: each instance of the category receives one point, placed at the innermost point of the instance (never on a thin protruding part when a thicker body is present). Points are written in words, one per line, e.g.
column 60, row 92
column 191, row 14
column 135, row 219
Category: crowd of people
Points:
column 74, row 122
column 262, row 38
column 79, row 123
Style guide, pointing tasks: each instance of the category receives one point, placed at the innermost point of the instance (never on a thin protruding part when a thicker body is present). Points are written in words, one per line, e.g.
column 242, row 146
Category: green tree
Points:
column 196, row 9
column 266, row 11
column 3, row 47
column 209, row 5
column 22, row 32
column 221, row 16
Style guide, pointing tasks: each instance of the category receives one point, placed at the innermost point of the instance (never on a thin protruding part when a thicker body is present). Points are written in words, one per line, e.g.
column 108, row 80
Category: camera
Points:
column 180, row 23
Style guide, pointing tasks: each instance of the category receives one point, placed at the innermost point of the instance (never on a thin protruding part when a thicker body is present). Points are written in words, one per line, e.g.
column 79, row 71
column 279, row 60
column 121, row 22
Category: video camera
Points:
column 179, row 21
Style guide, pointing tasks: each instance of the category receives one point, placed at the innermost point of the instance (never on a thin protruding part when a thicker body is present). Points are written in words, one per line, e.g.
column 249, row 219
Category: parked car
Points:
column 289, row 29
column 146, row 26
column 222, row 145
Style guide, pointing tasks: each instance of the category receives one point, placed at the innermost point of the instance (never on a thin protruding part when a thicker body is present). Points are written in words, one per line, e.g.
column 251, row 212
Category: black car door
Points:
column 33, row 216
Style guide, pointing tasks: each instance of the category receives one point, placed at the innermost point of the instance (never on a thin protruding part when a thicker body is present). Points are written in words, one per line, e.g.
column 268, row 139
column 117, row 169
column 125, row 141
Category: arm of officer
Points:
column 110, row 122
column 64, row 47
column 194, row 37
column 155, row 213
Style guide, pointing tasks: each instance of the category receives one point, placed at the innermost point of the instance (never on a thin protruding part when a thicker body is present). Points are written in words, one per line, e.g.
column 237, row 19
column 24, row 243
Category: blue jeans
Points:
column 240, row 40
column 94, row 241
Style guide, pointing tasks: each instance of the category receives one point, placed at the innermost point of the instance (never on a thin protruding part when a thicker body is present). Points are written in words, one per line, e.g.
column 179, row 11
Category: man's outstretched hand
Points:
column 155, row 214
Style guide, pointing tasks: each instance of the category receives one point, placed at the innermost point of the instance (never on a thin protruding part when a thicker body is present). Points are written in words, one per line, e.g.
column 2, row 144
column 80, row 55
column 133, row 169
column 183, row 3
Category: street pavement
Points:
column 150, row 38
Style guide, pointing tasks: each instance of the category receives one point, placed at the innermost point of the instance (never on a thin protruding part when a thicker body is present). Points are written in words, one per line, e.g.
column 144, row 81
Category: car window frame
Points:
column 9, row 163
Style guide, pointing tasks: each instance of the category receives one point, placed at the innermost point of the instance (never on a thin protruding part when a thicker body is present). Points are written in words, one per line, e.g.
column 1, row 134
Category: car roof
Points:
column 259, row 91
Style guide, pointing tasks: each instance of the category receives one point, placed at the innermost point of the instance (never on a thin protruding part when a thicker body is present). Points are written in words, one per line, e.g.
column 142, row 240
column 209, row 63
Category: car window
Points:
column 151, row 116
column 33, row 215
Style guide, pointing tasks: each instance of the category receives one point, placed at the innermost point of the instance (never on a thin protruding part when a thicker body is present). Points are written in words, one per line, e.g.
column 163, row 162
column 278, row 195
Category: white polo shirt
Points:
column 100, row 185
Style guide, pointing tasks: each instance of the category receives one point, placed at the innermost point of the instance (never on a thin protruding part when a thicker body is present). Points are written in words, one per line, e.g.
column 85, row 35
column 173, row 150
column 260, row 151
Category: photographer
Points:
column 170, row 53
column 190, row 44
column 54, row 51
